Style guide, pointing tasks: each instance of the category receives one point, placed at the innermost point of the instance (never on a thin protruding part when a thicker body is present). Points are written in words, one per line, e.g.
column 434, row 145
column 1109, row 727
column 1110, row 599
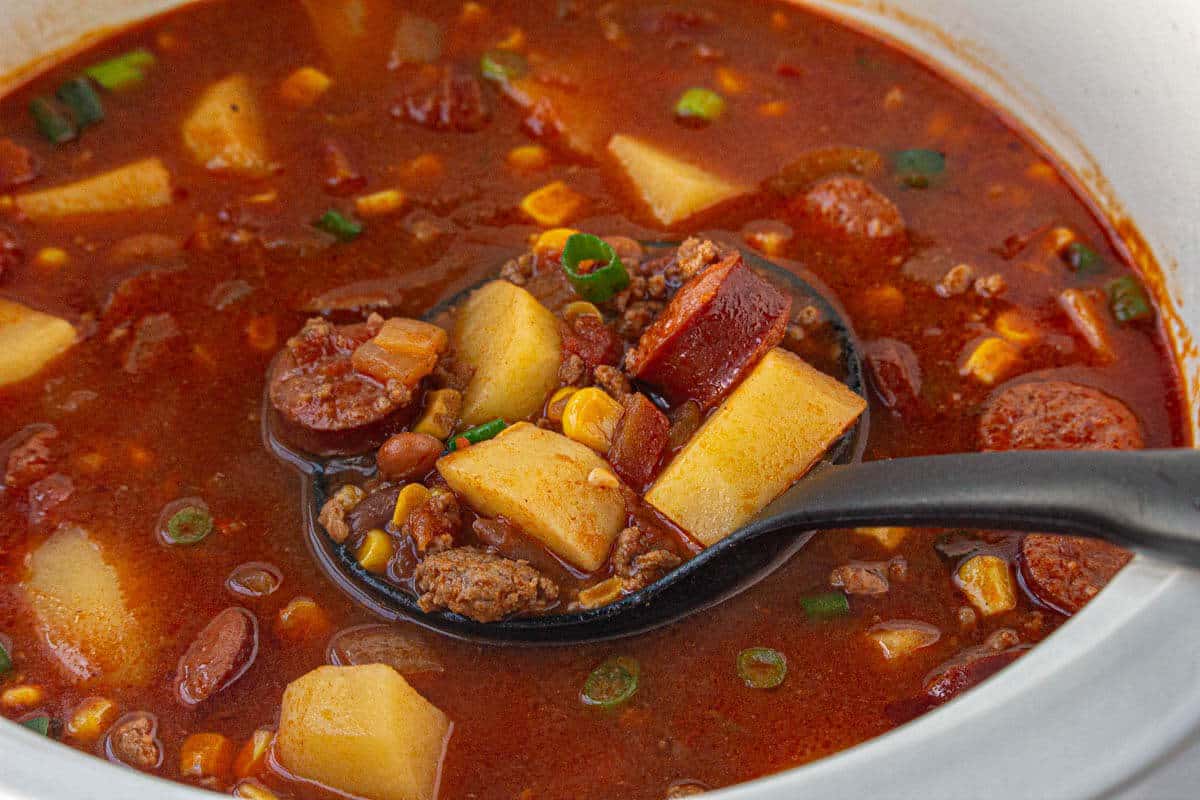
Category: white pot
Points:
column 1107, row 705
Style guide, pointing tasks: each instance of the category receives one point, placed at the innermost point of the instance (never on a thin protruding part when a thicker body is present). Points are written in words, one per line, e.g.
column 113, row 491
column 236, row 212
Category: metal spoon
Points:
column 1145, row 500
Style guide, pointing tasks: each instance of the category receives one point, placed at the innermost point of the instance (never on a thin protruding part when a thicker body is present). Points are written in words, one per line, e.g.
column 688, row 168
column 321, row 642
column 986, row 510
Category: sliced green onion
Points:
column 39, row 724
column 1127, row 299
column 700, row 104
column 5, row 660
column 602, row 283
column 189, row 525
column 825, row 606
column 480, row 433
column 338, row 226
column 761, row 667
column 1082, row 259
column 78, row 95
column 503, row 66
column 123, row 71
column 612, row 683
column 918, row 168
column 53, row 120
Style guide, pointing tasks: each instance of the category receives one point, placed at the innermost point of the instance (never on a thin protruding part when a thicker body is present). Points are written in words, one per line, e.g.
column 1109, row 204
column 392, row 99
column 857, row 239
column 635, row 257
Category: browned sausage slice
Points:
column 716, row 327
column 220, row 654
column 1058, row 415
column 640, row 440
column 1065, row 572
column 851, row 215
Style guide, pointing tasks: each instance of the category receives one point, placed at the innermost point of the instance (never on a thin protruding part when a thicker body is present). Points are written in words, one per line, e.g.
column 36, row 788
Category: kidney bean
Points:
column 220, row 654
column 408, row 455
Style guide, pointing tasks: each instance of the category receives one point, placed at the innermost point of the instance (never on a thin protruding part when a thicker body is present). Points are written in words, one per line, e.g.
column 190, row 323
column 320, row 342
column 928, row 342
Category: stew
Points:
column 226, row 237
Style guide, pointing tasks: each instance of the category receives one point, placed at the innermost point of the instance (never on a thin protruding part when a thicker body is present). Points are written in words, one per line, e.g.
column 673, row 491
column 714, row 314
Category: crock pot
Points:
column 1109, row 705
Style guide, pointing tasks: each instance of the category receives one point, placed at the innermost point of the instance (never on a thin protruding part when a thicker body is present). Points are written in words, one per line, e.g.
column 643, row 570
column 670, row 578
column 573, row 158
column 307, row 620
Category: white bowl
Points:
column 1107, row 705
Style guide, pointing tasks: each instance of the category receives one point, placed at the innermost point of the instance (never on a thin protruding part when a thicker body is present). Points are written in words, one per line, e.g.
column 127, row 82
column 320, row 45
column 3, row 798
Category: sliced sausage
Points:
column 895, row 373
column 1057, row 415
column 220, row 654
column 1065, row 572
column 640, row 440
column 850, row 214
column 481, row 585
column 962, row 672
column 714, row 330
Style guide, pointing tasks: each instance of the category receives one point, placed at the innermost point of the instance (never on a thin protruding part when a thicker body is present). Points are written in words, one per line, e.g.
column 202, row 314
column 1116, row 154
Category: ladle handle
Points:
column 1146, row 500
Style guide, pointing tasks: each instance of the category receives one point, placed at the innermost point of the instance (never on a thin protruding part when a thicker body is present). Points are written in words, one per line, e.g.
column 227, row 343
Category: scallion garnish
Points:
column 39, row 724
column 699, row 105
column 761, row 667
column 1082, row 259
column 128, row 69
column 337, row 225
column 480, row 433
column 78, row 95
column 825, row 606
column 601, row 283
column 1127, row 299
column 919, row 168
column 189, row 525
column 53, row 120
column 5, row 660
column 503, row 66
column 612, row 683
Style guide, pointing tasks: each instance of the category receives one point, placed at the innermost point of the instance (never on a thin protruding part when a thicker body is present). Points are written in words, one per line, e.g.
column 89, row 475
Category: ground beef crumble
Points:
column 481, row 585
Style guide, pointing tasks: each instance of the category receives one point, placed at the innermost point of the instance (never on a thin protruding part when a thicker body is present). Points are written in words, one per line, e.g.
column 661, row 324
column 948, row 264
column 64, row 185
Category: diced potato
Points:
column 988, row 583
column 442, row 407
column 672, row 188
column 362, row 731
column 411, row 497
column 760, row 440
column 81, row 610
column 992, row 360
column 141, row 185
column 901, row 638
column 29, row 340
column 889, row 538
column 538, row 479
column 224, row 133
column 511, row 342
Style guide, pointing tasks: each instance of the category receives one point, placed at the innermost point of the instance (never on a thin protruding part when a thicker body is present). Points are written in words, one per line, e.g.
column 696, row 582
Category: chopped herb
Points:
column 699, row 105
column 189, row 525
column 1127, row 299
column 825, row 606
column 123, row 71
column 338, row 226
column 53, row 120
column 503, row 66
column 479, row 433
column 1082, row 259
column 5, row 660
column 39, row 724
column 600, row 284
column 612, row 683
column 761, row 667
column 918, row 169
column 78, row 95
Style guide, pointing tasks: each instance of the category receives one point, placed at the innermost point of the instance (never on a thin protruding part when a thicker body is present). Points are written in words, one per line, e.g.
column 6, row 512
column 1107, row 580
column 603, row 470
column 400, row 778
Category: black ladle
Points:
column 1145, row 500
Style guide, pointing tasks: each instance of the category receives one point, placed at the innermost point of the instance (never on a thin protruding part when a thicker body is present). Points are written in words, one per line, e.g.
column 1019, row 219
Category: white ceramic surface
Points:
column 1109, row 706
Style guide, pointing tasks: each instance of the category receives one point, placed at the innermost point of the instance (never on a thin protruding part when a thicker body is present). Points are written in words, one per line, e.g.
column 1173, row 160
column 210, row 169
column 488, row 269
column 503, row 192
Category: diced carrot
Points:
column 553, row 204
column 206, row 755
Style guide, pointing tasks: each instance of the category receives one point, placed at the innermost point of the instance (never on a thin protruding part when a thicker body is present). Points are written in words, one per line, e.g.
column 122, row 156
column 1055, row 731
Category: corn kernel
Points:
column 1085, row 315
column 1017, row 328
column 558, row 403
column 411, row 497
column 894, row 99
column 553, row 241
column 553, row 204
column 528, row 157
column 515, row 40
column 580, row 308
column 603, row 593
column 379, row 203
column 899, row 639
column 51, row 258
column 304, row 87
column 775, row 108
column 1041, row 171
column 603, row 478
column 302, row 619
column 992, row 360
column 888, row 538
column 206, row 755
column 261, row 334
column 988, row 583
column 884, row 301
column 91, row 719
column 591, row 417
column 251, row 759
column 253, row 790
column 730, row 81
column 442, row 407
column 426, row 166
column 25, row 695
column 375, row 551
column 769, row 237
column 472, row 12
column 263, row 198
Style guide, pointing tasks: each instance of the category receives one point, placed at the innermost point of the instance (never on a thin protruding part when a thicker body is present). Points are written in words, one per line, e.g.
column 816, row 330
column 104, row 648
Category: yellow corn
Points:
column 602, row 593
column 591, row 417
column 379, row 203
column 992, row 360
column 302, row 619
column 888, row 538
column 553, row 241
column 553, row 204
column 775, row 108
column 558, row 402
column 251, row 758
column 24, row 696
column 375, row 551
column 1017, row 328
column 91, row 719
column 580, row 308
column 263, row 198
column 206, row 755
column 442, row 407
column 730, row 81
column 988, row 584
column 304, row 87
column 51, row 258
column 424, row 167
column 411, row 497
column 769, row 238
column 253, row 790
column 528, row 157
column 1041, row 171
column 515, row 40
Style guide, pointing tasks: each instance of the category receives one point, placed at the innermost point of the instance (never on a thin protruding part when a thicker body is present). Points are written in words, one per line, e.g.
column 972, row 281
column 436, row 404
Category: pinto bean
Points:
column 220, row 654
column 408, row 456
